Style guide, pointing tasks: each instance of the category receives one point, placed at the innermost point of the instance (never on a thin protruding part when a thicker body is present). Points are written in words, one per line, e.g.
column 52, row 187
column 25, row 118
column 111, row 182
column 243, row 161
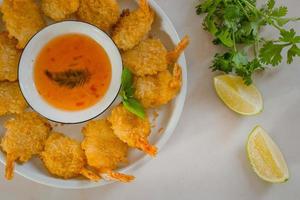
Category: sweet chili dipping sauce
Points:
column 72, row 72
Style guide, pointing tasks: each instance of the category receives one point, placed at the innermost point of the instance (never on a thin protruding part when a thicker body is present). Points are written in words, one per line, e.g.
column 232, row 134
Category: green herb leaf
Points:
column 247, row 70
column 236, row 25
column 126, row 78
column 271, row 4
column 282, row 21
column 205, row 6
column 237, row 62
column 289, row 36
column 270, row 53
column 225, row 37
column 127, row 94
column 240, row 58
column 211, row 27
column 232, row 13
column 135, row 107
column 292, row 52
column 279, row 12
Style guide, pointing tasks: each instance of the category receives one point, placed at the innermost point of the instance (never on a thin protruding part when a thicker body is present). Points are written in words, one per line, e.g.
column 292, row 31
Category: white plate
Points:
column 168, row 118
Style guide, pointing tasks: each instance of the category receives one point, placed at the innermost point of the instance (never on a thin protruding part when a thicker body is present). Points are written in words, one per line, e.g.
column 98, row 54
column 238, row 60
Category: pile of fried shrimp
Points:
column 105, row 144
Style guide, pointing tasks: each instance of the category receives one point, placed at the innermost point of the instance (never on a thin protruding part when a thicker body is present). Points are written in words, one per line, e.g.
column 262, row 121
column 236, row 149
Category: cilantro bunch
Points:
column 127, row 95
column 236, row 25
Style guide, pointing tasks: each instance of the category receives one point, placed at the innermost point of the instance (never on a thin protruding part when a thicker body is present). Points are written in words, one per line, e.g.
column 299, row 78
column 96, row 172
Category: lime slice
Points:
column 265, row 157
column 243, row 99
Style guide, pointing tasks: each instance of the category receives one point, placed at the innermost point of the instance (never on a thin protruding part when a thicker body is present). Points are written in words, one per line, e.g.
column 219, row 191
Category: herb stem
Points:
column 267, row 18
column 243, row 9
column 234, row 43
column 256, row 48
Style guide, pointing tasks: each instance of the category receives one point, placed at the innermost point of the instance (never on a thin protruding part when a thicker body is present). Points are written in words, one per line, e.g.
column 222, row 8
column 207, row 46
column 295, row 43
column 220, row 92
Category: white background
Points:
column 205, row 158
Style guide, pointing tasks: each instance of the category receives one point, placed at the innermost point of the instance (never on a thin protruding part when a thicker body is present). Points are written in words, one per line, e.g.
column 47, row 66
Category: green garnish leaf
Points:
column 279, row 12
column 134, row 107
column 126, row 78
column 236, row 25
column 270, row 53
column 271, row 4
column 289, row 36
column 225, row 37
column 127, row 94
column 292, row 52
column 232, row 62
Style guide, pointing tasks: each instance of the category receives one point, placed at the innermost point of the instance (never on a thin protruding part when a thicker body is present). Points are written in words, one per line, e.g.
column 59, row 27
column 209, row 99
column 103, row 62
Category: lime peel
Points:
column 265, row 157
column 243, row 99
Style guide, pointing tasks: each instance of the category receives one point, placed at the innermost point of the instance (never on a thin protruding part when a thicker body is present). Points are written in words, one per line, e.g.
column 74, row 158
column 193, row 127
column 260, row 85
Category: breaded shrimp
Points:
column 131, row 129
column 104, row 150
column 9, row 58
column 157, row 90
column 150, row 56
column 22, row 19
column 133, row 26
column 11, row 98
column 25, row 136
column 64, row 158
column 101, row 13
column 59, row 9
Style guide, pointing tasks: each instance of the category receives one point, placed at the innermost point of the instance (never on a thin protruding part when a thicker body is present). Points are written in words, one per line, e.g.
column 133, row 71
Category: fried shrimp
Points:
column 156, row 90
column 133, row 26
column 9, row 58
column 11, row 98
column 131, row 129
column 59, row 9
column 22, row 19
column 150, row 56
column 25, row 136
column 64, row 158
column 104, row 150
column 101, row 13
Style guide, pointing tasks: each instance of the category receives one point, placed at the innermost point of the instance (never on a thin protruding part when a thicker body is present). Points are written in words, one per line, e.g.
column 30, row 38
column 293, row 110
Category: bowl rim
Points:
column 60, row 22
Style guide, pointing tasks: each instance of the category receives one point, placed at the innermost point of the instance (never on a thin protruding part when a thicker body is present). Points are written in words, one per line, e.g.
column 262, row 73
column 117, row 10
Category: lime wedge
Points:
column 265, row 157
column 243, row 99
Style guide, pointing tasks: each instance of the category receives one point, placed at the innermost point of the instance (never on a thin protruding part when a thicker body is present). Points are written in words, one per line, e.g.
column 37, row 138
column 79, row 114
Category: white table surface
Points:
column 205, row 158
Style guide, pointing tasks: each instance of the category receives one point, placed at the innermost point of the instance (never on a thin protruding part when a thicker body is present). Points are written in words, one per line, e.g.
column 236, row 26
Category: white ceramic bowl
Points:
column 168, row 118
column 26, row 69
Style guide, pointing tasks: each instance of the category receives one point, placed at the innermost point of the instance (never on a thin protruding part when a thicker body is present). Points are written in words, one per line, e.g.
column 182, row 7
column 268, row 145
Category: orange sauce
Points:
column 69, row 53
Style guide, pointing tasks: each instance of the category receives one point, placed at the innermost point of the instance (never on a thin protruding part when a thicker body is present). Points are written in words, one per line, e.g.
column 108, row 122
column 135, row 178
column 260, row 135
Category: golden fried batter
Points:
column 104, row 150
column 11, row 98
column 133, row 26
column 156, row 90
column 101, row 13
column 59, row 9
column 22, row 19
column 25, row 136
column 147, row 58
column 9, row 58
column 64, row 158
column 150, row 56
column 131, row 129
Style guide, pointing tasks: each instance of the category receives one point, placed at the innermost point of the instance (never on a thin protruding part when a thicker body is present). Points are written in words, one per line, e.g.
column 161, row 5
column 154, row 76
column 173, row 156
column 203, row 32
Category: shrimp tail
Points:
column 173, row 56
column 119, row 176
column 89, row 174
column 147, row 148
column 177, row 77
column 9, row 169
